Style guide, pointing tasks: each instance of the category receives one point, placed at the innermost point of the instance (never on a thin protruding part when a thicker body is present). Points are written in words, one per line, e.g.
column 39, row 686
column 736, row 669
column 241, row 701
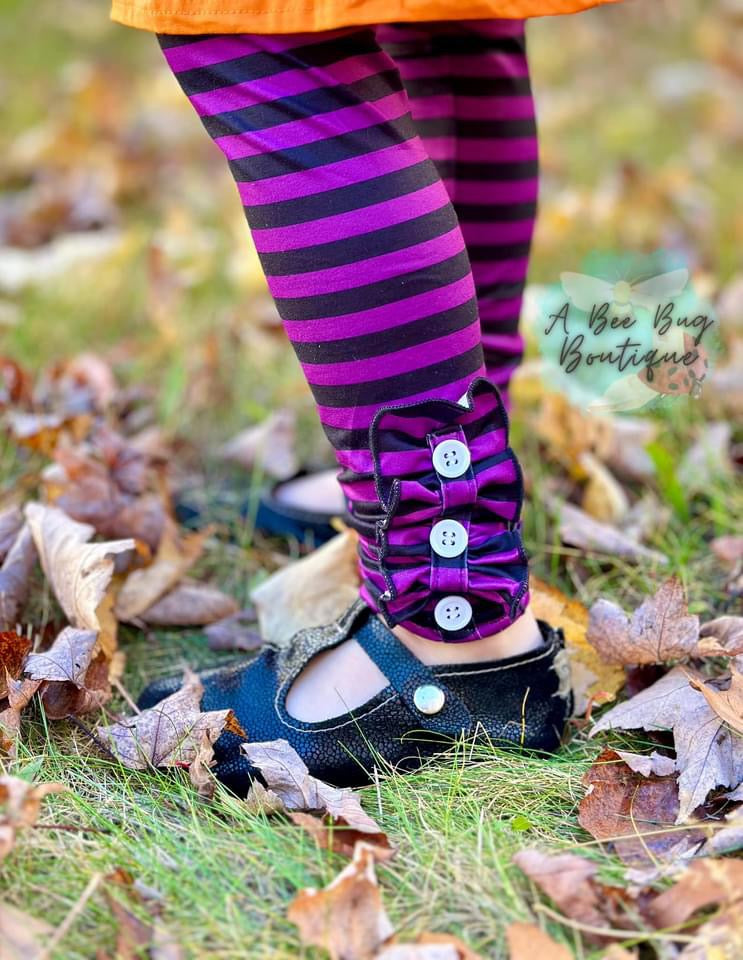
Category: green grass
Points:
column 226, row 875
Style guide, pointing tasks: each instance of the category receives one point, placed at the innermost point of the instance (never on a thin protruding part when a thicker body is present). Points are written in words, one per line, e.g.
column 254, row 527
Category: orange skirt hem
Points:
column 196, row 17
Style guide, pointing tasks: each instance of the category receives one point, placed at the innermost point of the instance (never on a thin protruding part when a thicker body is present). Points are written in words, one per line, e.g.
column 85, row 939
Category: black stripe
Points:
column 368, row 345
column 254, row 66
column 489, row 172
column 493, row 253
column 476, row 129
column 370, row 295
column 168, row 40
column 468, row 86
column 391, row 389
column 500, row 291
column 455, row 43
column 313, row 156
column 338, row 253
column 303, row 106
column 356, row 196
column 495, row 212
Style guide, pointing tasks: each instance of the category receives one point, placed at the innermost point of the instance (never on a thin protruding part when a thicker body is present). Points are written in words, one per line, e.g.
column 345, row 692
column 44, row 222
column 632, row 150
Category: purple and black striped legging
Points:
column 389, row 179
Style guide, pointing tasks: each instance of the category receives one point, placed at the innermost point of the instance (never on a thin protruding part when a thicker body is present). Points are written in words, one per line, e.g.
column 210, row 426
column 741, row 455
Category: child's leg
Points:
column 470, row 96
column 366, row 261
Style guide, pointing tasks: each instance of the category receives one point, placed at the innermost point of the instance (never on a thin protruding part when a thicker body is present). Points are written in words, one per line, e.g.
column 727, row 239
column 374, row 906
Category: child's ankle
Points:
column 520, row 637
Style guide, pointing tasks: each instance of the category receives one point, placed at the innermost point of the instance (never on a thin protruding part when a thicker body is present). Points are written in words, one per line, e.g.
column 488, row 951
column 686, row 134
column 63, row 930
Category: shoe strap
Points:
column 407, row 674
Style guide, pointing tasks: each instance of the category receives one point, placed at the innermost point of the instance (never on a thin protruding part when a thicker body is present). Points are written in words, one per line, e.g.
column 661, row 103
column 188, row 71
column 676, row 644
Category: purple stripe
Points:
column 392, row 364
column 220, row 49
column 471, row 149
column 515, row 231
column 310, row 233
column 381, row 319
column 473, row 108
column 398, row 263
column 343, row 173
column 323, row 126
column 466, row 65
column 496, row 191
column 287, row 84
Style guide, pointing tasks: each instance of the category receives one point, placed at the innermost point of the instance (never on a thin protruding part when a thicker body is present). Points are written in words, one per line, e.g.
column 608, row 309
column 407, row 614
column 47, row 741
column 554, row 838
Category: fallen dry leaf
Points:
column 11, row 521
column 67, row 659
column 347, row 917
column 428, row 946
column 705, row 883
column 270, row 445
column 728, row 550
column 199, row 771
column 579, row 529
column 569, row 431
column 660, row 629
column 707, row 753
column 190, row 604
column 20, row 805
column 635, row 813
column 15, row 575
column 649, row 765
column 168, row 734
column 720, row 938
column 234, row 633
column 79, row 572
column 13, row 650
column 727, row 703
column 592, row 677
column 19, row 693
column 527, row 941
column 175, row 556
column 570, row 881
column 75, row 678
column 21, row 935
column 289, row 601
column 721, row 637
column 603, row 497
column 343, row 819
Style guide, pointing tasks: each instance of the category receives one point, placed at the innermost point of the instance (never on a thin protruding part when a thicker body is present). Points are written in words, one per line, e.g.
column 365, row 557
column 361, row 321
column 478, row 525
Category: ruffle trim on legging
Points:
column 445, row 558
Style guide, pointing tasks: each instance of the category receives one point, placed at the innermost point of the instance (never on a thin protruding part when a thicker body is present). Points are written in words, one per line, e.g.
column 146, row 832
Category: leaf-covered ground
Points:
column 129, row 241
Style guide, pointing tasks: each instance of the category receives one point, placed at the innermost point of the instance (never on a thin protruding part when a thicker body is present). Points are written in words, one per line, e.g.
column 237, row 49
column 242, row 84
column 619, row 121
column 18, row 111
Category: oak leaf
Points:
column 660, row 629
column 347, row 917
column 707, row 752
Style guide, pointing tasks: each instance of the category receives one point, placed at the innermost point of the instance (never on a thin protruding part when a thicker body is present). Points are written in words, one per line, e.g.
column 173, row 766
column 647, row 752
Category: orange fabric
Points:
column 301, row 16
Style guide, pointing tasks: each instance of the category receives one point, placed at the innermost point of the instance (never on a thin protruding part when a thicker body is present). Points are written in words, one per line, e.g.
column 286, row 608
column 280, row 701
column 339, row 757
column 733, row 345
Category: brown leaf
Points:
column 234, row 633
column 15, row 575
column 568, row 880
column 168, row 734
column 79, row 572
column 334, row 833
column 592, row 677
column 67, row 699
column 527, row 941
column 603, row 497
column 190, row 604
column 728, row 550
column 20, row 805
column 21, row 935
column 287, row 776
column 722, row 637
column 289, row 600
column 347, row 917
column 635, row 813
column 270, row 445
column 720, row 938
column 67, row 659
column 727, row 703
column 19, row 693
column 705, row 883
column 199, row 772
column 579, row 529
column 707, row 753
column 175, row 555
column 13, row 650
column 660, row 629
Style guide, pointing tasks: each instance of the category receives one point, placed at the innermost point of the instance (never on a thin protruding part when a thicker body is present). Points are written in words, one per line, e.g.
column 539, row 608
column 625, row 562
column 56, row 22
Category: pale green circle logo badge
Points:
column 625, row 332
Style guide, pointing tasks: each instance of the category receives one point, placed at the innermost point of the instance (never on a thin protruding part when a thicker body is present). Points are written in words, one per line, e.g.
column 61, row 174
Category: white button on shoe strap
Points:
column 451, row 459
column 452, row 613
column 429, row 699
column 448, row 538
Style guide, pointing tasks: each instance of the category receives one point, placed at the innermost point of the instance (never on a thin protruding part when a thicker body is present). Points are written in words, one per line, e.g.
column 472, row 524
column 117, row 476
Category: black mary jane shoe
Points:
column 521, row 702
